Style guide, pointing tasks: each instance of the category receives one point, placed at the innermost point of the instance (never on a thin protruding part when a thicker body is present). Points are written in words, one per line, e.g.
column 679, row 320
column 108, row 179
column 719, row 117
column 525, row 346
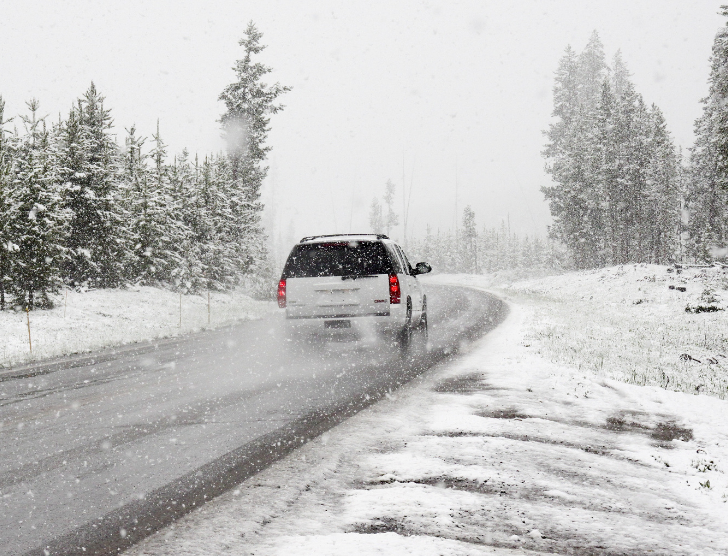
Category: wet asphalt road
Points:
column 98, row 452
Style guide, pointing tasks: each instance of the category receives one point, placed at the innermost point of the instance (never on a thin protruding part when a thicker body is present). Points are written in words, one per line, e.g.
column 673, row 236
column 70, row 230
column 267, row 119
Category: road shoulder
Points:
column 85, row 322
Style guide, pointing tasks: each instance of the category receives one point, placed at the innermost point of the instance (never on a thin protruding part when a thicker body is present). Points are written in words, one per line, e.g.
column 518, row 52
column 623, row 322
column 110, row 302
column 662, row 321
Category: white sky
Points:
column 440, row 85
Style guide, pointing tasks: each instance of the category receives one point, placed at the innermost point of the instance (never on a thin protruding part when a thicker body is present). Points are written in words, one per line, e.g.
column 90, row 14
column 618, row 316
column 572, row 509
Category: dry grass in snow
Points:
column 85, row 321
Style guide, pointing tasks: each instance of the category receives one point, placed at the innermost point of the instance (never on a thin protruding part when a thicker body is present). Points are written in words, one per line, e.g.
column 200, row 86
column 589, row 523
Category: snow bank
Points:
column 84, row 321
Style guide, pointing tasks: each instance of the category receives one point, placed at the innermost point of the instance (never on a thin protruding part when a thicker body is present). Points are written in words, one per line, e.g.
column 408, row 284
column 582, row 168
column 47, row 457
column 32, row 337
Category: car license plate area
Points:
column 337, row 299
column 337, row 324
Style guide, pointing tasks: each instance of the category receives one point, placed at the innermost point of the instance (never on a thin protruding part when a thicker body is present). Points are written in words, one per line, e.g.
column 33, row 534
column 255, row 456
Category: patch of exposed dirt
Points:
column 493, row 488
column 621, row 423
column 508, row 413
column 669, row 431
column 465, row 384
column 663, row 432
column 383, row 525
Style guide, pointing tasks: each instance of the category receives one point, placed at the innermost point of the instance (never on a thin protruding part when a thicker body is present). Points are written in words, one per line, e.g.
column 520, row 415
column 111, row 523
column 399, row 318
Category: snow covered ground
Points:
column 630, row 323
column 508, row 450
column 85, row 321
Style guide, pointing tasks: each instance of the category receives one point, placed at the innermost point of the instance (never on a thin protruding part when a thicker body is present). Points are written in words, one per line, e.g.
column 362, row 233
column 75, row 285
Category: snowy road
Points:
column 500, row 452
column 99, row 451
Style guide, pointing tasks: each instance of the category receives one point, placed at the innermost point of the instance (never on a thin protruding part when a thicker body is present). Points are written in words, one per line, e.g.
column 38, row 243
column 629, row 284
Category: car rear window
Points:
column 355, row 258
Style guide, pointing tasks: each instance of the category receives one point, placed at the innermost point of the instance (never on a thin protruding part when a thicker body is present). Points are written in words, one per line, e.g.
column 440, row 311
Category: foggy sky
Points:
column 447, row 88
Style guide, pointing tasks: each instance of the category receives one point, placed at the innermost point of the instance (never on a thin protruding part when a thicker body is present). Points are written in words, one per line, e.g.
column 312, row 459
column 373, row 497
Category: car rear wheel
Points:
column 421, row 332
column 405, row 335
column 422, row 328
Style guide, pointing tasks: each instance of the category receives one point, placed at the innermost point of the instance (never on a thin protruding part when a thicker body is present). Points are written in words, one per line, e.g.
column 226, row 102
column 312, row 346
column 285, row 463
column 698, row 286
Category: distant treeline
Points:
column 488, row 250
column 621, row 191
column 78, row 209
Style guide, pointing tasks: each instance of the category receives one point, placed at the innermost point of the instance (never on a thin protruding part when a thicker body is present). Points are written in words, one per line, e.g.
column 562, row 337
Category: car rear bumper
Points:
column 340, row 324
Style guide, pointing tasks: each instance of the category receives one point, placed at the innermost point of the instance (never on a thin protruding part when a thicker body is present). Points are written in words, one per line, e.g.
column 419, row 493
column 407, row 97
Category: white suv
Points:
column 358, row 286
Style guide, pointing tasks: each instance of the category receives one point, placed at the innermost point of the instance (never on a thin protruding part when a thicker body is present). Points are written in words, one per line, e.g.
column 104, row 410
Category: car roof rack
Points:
column 309, row 238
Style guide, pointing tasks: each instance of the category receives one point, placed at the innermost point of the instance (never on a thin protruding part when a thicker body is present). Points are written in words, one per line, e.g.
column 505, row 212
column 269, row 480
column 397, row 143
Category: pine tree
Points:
column 591, row 69
column 573, row 198
column 212, row 229
column 390, row 218
column 615, row 194
column 376, row 218
column 134, row 177
column 662, row 195
column 7, row 208
column 606, row 149
column 639, row 182
column 223, row 241
column 707, row 195
column 40, row 227
column 97, row 250
column 629, row 136
column 468, row 242
column 145, row 204
column 249, row 102
column 182, row 219
column 426, row 251
column 566, row 102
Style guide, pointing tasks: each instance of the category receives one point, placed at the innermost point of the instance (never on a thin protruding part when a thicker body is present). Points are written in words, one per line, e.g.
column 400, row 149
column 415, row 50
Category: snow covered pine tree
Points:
column 39, row 223
column 616, row 196
column 707, row 195
column 87, row 166
column 249, row 103
column 7, row 206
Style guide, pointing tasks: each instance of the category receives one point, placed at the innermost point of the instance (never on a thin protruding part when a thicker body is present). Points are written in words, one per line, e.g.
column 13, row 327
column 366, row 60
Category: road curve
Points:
column 100, row 451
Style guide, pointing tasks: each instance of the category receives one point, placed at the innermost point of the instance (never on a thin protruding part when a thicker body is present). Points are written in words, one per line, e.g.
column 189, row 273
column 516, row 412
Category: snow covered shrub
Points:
column 708, row 296
column 703, row 465
column 708, row 303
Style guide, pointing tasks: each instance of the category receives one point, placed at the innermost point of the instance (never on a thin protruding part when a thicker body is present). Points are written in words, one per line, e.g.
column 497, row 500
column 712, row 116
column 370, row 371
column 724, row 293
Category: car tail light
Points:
column 282, row 294
column 394, row 292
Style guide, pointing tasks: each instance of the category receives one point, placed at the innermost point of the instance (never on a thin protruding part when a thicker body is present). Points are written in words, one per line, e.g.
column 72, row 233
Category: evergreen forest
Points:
column 622, row 192
column 77, row 209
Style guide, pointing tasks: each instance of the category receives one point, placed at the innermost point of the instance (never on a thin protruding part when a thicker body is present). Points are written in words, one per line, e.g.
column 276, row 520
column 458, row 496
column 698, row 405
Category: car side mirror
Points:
column 421, row 268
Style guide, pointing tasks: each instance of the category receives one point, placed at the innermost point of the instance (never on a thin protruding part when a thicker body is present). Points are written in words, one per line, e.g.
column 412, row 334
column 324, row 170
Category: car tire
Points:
column 404, row 338
column 422, row 329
